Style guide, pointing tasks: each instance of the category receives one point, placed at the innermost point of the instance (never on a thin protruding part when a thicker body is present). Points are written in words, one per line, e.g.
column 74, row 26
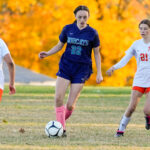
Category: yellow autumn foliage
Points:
column 31, row 26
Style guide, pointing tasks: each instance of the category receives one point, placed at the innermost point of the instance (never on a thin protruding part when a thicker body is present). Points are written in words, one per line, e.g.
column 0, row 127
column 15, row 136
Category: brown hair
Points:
column 81, row 7
column 145, row 21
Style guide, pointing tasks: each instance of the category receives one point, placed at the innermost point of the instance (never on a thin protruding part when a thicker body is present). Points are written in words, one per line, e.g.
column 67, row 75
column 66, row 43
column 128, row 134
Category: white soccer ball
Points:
column 53, row 129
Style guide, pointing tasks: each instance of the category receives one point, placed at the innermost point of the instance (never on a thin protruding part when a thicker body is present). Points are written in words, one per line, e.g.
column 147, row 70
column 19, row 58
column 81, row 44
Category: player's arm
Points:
column 53, row 50
column 99, row 77
column 11, row 68
column 120, row 64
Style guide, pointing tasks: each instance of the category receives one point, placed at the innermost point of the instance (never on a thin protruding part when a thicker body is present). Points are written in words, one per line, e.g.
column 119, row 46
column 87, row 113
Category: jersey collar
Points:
column 80, row 30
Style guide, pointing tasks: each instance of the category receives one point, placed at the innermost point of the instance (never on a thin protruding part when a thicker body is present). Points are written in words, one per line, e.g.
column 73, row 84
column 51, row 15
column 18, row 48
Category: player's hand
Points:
column 12, row 89
column 43, row 55
column 99, row 78
column 110, row 71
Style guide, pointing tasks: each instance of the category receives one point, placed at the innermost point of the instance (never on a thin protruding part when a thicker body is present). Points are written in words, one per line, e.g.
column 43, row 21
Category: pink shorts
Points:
column 141, row 89
column 1, row 92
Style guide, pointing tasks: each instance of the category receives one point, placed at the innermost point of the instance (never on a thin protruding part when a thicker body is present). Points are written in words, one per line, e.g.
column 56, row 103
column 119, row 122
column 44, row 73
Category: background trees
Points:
column 30, row 26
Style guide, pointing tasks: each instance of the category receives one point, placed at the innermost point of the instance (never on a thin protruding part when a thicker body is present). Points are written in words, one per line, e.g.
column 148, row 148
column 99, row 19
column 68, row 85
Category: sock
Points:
column 147, row 119
column 68, row 113
column 123, row 123
column 60, row 115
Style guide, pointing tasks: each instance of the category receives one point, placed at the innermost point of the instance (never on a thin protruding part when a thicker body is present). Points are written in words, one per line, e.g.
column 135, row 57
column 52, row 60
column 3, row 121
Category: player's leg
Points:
column 1, row 93
column 135, row 97
column 72, row 98
column 61, row 87
column 147, row 109
column 81, row 73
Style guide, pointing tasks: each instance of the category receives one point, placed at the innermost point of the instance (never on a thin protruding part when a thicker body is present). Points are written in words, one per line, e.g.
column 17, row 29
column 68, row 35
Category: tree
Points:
column 30, row 26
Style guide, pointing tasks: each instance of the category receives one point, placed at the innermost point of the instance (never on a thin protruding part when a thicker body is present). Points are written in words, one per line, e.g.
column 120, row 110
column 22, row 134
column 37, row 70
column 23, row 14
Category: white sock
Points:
column 123, row 123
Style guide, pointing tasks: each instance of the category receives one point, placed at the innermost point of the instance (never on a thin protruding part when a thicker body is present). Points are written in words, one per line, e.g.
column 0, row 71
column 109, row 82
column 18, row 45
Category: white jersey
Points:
column 3, row 51
column 141, row 51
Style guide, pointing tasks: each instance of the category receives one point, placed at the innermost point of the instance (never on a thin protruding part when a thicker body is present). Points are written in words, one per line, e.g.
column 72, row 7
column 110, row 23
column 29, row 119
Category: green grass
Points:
column 91, row 127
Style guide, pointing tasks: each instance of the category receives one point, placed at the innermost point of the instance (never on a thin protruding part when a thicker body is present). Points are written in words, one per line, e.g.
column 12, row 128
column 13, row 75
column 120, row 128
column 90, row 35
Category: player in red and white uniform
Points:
column 5, row 55
column 141, row 84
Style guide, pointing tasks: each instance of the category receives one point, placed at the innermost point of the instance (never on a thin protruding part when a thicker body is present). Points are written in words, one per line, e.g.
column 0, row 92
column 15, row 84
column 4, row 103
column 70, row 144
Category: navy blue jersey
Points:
column 79, row 43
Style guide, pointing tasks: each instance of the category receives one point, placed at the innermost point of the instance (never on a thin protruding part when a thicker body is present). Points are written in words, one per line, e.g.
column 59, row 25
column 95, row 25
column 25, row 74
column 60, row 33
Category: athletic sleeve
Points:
column 4, row 48
column 96, row 41
column 129, row 53
column 63, row 35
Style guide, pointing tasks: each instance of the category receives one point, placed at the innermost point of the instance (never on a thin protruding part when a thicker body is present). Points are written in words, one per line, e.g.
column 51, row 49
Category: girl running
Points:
column 141, row 84
column 75, row 66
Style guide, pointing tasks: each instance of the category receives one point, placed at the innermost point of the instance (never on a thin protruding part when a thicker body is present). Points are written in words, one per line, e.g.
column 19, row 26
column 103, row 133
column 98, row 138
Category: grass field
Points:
column 91, row 127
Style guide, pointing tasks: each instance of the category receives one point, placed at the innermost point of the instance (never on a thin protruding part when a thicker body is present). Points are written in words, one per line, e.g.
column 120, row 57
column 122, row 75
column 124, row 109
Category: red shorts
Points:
column 1, row 92
column 141, row 89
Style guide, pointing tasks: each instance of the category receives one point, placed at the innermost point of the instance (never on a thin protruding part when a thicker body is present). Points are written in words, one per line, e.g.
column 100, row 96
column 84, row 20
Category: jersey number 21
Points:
column 144, row 57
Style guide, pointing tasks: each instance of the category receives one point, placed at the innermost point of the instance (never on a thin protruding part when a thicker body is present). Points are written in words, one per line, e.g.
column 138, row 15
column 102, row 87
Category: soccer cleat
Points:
column 64, row 134
column 119, row 134
column 147, row 124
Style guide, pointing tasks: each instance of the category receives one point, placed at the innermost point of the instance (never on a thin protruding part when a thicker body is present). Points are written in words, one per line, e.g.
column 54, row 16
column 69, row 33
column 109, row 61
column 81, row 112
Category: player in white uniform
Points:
column 141, row 84
column 5, row 55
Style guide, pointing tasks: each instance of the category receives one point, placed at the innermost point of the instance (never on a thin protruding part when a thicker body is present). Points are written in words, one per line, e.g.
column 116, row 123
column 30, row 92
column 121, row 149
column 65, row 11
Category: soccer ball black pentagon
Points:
column 53, row 129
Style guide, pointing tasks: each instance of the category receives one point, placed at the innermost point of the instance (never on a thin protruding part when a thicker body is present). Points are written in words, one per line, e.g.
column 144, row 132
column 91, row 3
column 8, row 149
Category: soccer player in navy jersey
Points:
column 75, row 66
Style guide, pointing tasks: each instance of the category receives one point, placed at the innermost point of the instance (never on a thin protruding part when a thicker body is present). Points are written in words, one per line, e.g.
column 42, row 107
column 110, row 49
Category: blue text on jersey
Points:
column 77, row 41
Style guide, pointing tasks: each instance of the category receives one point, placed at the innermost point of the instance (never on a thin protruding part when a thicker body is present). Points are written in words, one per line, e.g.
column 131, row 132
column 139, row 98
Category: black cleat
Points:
column 119, row 134
column 147, row 124
column 64, row 134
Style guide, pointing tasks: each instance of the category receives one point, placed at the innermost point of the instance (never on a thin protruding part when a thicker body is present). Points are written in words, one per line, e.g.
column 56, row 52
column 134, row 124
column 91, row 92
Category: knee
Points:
column 146, row 111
